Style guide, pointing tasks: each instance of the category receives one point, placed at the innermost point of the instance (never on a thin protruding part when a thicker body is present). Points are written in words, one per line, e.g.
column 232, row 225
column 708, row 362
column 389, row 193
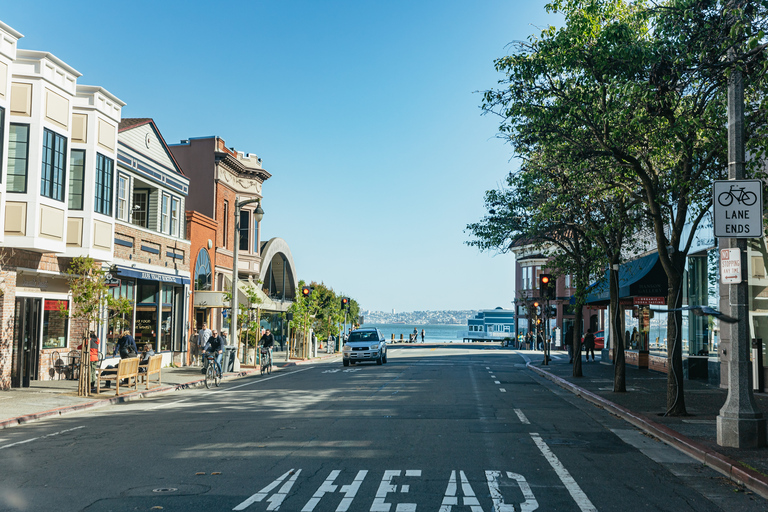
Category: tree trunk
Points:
column 675, row 394
column 619, row 369
column 577, row 318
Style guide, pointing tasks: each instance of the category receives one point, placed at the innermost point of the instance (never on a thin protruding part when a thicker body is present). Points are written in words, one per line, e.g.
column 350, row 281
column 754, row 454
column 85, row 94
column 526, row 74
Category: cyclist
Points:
column 266, row 341
column 215, row 346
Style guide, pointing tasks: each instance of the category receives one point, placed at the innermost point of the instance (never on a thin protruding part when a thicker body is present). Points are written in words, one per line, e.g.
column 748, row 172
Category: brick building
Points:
column 152, row 253
column 220, row 177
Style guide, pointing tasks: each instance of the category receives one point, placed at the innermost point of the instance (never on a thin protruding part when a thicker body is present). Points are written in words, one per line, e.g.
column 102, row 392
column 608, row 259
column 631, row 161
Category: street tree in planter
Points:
column 90, row 295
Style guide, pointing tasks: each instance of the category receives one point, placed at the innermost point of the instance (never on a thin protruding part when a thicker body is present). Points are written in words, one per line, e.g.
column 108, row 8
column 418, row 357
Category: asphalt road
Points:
column 455, row 428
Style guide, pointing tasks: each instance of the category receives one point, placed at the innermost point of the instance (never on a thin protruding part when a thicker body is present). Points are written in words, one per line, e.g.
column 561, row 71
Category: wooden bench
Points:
column 154, row 366
column 126, row 369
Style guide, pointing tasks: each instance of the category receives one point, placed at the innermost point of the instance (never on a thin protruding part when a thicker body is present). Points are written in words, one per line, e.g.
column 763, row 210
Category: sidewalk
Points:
column 644, row 404
column 51, row 398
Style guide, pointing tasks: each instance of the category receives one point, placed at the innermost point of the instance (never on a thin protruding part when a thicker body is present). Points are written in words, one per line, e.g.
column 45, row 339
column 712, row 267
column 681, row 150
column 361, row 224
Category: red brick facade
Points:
column 200, row 229
column 141, row 240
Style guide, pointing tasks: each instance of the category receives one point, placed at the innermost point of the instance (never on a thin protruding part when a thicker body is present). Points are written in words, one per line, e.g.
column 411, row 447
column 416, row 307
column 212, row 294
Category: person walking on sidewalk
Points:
column 126, row 346
column 589, row 345
column 422, row 335
column 203, row 335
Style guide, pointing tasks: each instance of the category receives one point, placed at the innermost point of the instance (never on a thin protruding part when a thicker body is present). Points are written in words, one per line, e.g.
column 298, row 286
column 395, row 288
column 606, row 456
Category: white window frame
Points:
column 164, row 216
column 175, row 203
column 122, row 197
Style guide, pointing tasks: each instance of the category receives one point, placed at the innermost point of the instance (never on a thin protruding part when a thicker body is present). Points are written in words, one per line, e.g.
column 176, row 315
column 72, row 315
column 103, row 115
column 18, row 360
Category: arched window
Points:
column 203, row 270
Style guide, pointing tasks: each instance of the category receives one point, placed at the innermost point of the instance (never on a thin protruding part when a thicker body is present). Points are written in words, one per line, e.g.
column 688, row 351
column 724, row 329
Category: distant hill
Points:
column 419, row 317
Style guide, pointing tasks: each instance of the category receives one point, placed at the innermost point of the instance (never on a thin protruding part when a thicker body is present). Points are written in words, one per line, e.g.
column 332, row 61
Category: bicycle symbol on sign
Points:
column 737, row 193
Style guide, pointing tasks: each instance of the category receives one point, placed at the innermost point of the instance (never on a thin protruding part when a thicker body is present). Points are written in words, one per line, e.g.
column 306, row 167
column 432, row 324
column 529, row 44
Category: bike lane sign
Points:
column 738, row 208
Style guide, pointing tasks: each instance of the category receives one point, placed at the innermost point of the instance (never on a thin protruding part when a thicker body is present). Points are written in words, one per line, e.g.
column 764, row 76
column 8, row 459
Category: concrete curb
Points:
column 137, row 395
column 128, row 397
column 752, row 480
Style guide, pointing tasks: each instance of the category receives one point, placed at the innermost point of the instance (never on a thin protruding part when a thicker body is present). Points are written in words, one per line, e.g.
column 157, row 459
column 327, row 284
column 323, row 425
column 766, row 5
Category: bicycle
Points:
column 212, row 377
column 266, row 360
column 741, row 196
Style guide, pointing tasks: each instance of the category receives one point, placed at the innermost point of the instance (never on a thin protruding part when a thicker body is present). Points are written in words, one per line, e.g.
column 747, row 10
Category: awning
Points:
column 641, row 277
column 212, row 299
column 151, row 276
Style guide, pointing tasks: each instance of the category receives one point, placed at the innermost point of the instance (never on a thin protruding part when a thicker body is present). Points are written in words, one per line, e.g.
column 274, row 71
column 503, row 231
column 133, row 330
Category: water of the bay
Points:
column 432, row 332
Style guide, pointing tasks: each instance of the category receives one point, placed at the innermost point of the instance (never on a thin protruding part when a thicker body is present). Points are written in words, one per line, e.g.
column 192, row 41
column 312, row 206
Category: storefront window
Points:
column 146, row 323
column 55, row 324
column 119, row 322
column 148, row 293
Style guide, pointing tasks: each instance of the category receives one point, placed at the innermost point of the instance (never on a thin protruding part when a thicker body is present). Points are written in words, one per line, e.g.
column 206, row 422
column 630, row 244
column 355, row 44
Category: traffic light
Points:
column 544, row 285
column 306, row 291
column 344, row 302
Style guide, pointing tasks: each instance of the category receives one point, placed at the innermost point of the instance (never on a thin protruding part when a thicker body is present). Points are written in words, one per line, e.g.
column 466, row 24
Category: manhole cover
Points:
column 177, row 490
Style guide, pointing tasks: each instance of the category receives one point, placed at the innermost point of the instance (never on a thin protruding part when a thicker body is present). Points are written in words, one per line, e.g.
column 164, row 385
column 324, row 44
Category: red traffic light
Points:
column 306, row 291
column 544, row 279
column 535, row 304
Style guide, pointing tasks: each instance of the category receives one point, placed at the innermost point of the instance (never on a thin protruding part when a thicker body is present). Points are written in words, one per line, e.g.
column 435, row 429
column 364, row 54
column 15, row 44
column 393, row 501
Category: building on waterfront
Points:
column 220, row 178
column 490, row 325
column 152, row 252
column 58, row 148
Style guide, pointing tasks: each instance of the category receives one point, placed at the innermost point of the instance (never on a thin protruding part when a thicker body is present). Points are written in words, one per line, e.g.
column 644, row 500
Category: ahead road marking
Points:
column 459, row 492
column 576, row 493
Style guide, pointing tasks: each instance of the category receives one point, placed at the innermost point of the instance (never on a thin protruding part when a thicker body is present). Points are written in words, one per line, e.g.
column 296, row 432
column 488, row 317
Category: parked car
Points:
column 599, row 340
column 365, row 345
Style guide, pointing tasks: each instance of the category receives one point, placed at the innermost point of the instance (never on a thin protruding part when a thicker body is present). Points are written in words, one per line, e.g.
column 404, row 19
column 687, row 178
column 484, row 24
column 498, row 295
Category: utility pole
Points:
column 739, row 424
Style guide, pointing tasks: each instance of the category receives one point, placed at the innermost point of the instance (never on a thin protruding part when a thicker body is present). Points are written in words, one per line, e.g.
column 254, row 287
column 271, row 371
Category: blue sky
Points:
column 366, row 113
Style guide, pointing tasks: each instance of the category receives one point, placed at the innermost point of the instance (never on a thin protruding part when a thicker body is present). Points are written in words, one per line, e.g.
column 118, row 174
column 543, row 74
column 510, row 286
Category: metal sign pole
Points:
column 739, row 424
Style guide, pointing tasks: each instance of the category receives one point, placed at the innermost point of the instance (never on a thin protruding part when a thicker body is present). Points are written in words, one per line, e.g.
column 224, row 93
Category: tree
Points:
column 617, row 87
column 89, row 296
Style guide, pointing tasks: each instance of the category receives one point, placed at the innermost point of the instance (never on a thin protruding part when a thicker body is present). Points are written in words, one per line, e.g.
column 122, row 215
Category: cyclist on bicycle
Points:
column 266, row 341
column 215, row 347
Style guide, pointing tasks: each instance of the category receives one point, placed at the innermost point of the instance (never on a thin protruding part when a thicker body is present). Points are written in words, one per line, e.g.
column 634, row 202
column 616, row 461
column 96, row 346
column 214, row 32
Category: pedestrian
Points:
column 415, row 336
column 146, row 353
column 422, row 335
column 93, row 352
column 569, row 343
column 203, row 335
column 126, row 346
column 589, row 345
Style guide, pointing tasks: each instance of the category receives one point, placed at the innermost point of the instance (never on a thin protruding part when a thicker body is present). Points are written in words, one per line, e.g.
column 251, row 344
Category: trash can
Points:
column 228, row 359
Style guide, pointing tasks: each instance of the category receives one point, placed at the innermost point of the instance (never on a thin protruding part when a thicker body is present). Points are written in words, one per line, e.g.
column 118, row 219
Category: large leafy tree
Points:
column 617, row 87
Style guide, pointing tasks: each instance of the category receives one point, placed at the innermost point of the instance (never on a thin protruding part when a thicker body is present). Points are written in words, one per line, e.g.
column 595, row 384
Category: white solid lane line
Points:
column 222, row 390
column 573, row 488
column 41, row 437
column 522, row 417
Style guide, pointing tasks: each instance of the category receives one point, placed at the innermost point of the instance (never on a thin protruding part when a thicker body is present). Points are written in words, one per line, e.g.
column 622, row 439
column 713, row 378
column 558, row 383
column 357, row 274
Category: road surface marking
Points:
column 450, row 499
column 529, row 505
column 276, row 499
column 497, row 382
column 573, row 488
column 502, row 390
column 41, row 437
column 522, row 417
column 386, row 487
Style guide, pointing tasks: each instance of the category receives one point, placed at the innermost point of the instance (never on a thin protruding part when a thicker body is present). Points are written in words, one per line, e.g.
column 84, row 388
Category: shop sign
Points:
column 111, row 281
column 738, row 208
column 647, row 301
column 56, row 305
column 730, row 266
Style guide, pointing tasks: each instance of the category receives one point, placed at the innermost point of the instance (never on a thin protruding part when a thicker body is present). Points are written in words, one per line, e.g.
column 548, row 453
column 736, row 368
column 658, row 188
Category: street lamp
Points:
column 258, row 214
